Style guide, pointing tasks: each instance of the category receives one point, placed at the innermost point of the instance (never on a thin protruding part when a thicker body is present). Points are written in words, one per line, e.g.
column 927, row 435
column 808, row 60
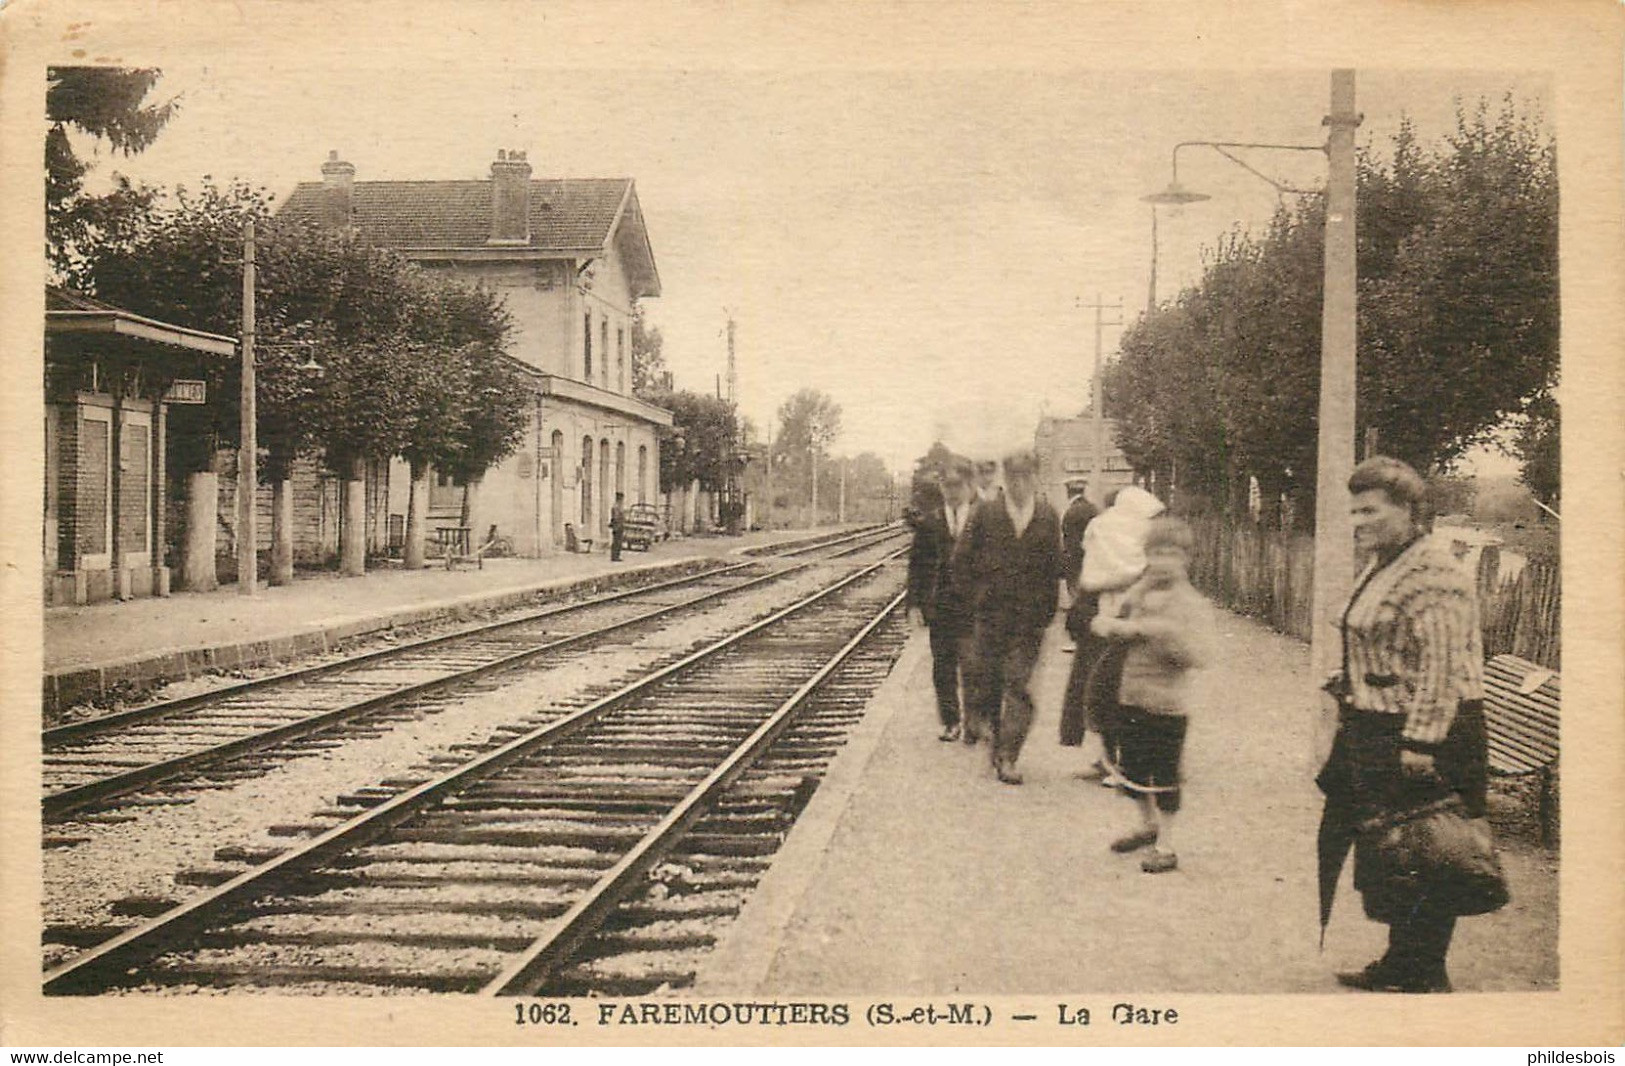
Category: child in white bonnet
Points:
column 1114, row 547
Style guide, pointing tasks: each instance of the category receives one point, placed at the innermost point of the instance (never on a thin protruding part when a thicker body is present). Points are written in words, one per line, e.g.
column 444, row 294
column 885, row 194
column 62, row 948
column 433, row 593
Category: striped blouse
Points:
column 1411, row 641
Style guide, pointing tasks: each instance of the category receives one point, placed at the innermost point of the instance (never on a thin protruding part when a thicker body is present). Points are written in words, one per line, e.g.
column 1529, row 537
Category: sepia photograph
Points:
column 846, row 523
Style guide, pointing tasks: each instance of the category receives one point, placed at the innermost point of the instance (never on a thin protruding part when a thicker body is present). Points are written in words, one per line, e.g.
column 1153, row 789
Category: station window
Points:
column 620, row 356
column 586, row 346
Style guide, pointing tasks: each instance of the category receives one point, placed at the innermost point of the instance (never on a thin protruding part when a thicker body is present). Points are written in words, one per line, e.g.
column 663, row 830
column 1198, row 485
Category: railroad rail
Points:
column 493, row 875
column 85, row 764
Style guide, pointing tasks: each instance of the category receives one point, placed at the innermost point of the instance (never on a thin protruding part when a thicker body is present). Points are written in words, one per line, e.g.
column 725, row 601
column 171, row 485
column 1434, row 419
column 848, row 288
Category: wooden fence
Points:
column 1522, row 613
column 1269, row 575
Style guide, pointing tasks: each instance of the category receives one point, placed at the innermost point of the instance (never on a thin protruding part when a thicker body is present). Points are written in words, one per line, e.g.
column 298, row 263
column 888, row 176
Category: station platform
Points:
column 913, row 871
column 92, row 649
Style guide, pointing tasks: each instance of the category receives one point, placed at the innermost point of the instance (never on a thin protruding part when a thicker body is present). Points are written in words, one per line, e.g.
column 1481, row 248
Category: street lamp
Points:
column 1177, row 195
column 1334, row 545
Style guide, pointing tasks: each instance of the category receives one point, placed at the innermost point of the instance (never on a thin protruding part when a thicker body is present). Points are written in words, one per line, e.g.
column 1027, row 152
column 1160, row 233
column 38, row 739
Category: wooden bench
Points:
column 1521, row 720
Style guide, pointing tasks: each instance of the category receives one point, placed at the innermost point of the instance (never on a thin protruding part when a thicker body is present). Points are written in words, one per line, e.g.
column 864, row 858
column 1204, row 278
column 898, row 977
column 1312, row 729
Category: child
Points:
column 1166, row 624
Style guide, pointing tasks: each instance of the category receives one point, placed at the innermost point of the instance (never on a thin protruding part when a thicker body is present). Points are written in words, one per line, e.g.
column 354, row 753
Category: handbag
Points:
column 1433, row 855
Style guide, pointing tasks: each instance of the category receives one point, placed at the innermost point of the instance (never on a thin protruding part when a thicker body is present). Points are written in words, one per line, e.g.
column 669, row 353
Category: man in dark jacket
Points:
column 617, row 526
column 1007, row 563
column 931, row 591
column 1078, row 515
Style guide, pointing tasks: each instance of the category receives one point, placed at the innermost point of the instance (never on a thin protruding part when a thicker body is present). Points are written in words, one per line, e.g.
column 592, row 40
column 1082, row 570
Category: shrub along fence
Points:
column 1269, row 575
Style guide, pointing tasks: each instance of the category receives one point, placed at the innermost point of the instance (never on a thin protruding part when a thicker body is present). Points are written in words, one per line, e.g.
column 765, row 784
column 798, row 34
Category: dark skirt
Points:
column 1362, row 780
column 1363, row 771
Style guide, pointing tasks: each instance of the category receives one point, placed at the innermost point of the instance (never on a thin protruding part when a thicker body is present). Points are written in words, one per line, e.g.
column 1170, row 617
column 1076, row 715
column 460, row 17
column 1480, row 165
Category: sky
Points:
column 919, row 244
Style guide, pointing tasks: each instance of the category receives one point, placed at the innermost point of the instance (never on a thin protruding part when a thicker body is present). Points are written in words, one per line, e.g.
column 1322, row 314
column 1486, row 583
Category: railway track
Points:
column 594, row 852
column 88, row 764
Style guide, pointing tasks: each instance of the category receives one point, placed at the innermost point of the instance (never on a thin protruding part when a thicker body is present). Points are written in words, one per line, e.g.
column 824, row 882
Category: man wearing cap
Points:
column 932, row 592
column 1008, row 562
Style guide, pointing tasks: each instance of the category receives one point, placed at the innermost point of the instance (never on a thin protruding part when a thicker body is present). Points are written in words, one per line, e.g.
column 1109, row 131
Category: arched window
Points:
column 643, row 473
column 586, row 486
column 620, row 466
column 603, row 485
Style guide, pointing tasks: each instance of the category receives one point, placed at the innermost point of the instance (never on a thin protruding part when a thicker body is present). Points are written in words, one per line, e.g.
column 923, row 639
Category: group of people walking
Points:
column 986, row 571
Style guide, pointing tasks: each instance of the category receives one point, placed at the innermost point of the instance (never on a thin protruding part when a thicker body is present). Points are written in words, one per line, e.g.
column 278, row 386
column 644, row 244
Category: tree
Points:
column 700, row 444
column 412, row 362
column 649, row 374
column 106, row 104
column 1539, row 448
column 1458, row 310
column 809, row 422
column 934, row 464
column 1472, row 299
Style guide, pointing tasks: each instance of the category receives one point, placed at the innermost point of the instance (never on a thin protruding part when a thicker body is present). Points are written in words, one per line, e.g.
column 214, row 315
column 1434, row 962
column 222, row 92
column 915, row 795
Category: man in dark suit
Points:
column 1008, row 563
column 617, row 526
column 932, row 592
column 1077, row 517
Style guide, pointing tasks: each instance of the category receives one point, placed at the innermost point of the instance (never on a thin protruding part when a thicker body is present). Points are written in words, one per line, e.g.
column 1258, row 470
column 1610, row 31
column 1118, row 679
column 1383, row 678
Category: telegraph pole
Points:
column 1097, row 464
column 1334, row 539
column 248, row 452
column 767, row 510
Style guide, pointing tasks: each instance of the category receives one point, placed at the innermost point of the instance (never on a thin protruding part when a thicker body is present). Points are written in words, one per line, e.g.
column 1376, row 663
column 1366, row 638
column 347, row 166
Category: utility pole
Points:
column 733, row 369
column 1097, row 464
column 767, row 510
column 1334, row 539
column 248, row 452
column 1151, row 298
column 840, row 511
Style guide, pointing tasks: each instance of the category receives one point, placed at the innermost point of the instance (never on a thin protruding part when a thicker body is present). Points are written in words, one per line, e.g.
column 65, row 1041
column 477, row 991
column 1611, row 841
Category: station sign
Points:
column 187, row 391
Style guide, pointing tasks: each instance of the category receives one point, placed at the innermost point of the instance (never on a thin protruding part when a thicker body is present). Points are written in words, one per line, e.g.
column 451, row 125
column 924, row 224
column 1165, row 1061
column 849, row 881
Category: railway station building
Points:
column 570, row 258
column 110, row 377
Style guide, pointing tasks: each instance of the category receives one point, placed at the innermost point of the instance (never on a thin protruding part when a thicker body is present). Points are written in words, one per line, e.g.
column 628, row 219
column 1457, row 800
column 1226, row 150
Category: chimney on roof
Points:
column 338, row 181
column 510, row 199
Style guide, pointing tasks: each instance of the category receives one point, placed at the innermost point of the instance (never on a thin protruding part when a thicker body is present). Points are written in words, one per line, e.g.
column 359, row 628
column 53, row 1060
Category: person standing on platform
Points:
column 1009, row 561
column 617, row 526
column 1113, row 559
column 1166, row 627
column 985, row 489
column 1410, row 728
column 931, row 590
column 1079, row 513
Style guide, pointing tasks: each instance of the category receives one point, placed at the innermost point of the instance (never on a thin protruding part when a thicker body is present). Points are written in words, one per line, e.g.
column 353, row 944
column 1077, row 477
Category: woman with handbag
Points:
column 1410, row 735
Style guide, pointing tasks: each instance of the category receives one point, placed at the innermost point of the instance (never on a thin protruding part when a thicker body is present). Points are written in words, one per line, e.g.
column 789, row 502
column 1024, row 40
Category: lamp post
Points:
column 1334, row 543
column 1177, row 195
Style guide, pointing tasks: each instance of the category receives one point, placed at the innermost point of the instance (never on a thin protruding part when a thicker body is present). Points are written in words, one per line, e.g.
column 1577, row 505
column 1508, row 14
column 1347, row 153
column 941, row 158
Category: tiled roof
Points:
column 565, row 215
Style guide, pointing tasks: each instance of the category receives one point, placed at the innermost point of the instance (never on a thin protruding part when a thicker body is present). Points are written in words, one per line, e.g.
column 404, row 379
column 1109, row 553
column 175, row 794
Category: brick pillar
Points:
column 160, row 497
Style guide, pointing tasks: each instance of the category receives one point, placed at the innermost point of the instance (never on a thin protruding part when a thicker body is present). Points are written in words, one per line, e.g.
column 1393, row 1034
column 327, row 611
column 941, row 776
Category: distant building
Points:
column 570, row 257
column 1066, row 453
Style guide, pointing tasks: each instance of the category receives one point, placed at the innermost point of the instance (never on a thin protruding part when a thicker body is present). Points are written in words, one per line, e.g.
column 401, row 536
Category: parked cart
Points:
column 642, row 526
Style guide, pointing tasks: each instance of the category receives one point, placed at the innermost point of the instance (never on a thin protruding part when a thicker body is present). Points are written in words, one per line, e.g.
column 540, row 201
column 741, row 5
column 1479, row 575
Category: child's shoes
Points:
column 1160, row 862
column 1135, row 841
